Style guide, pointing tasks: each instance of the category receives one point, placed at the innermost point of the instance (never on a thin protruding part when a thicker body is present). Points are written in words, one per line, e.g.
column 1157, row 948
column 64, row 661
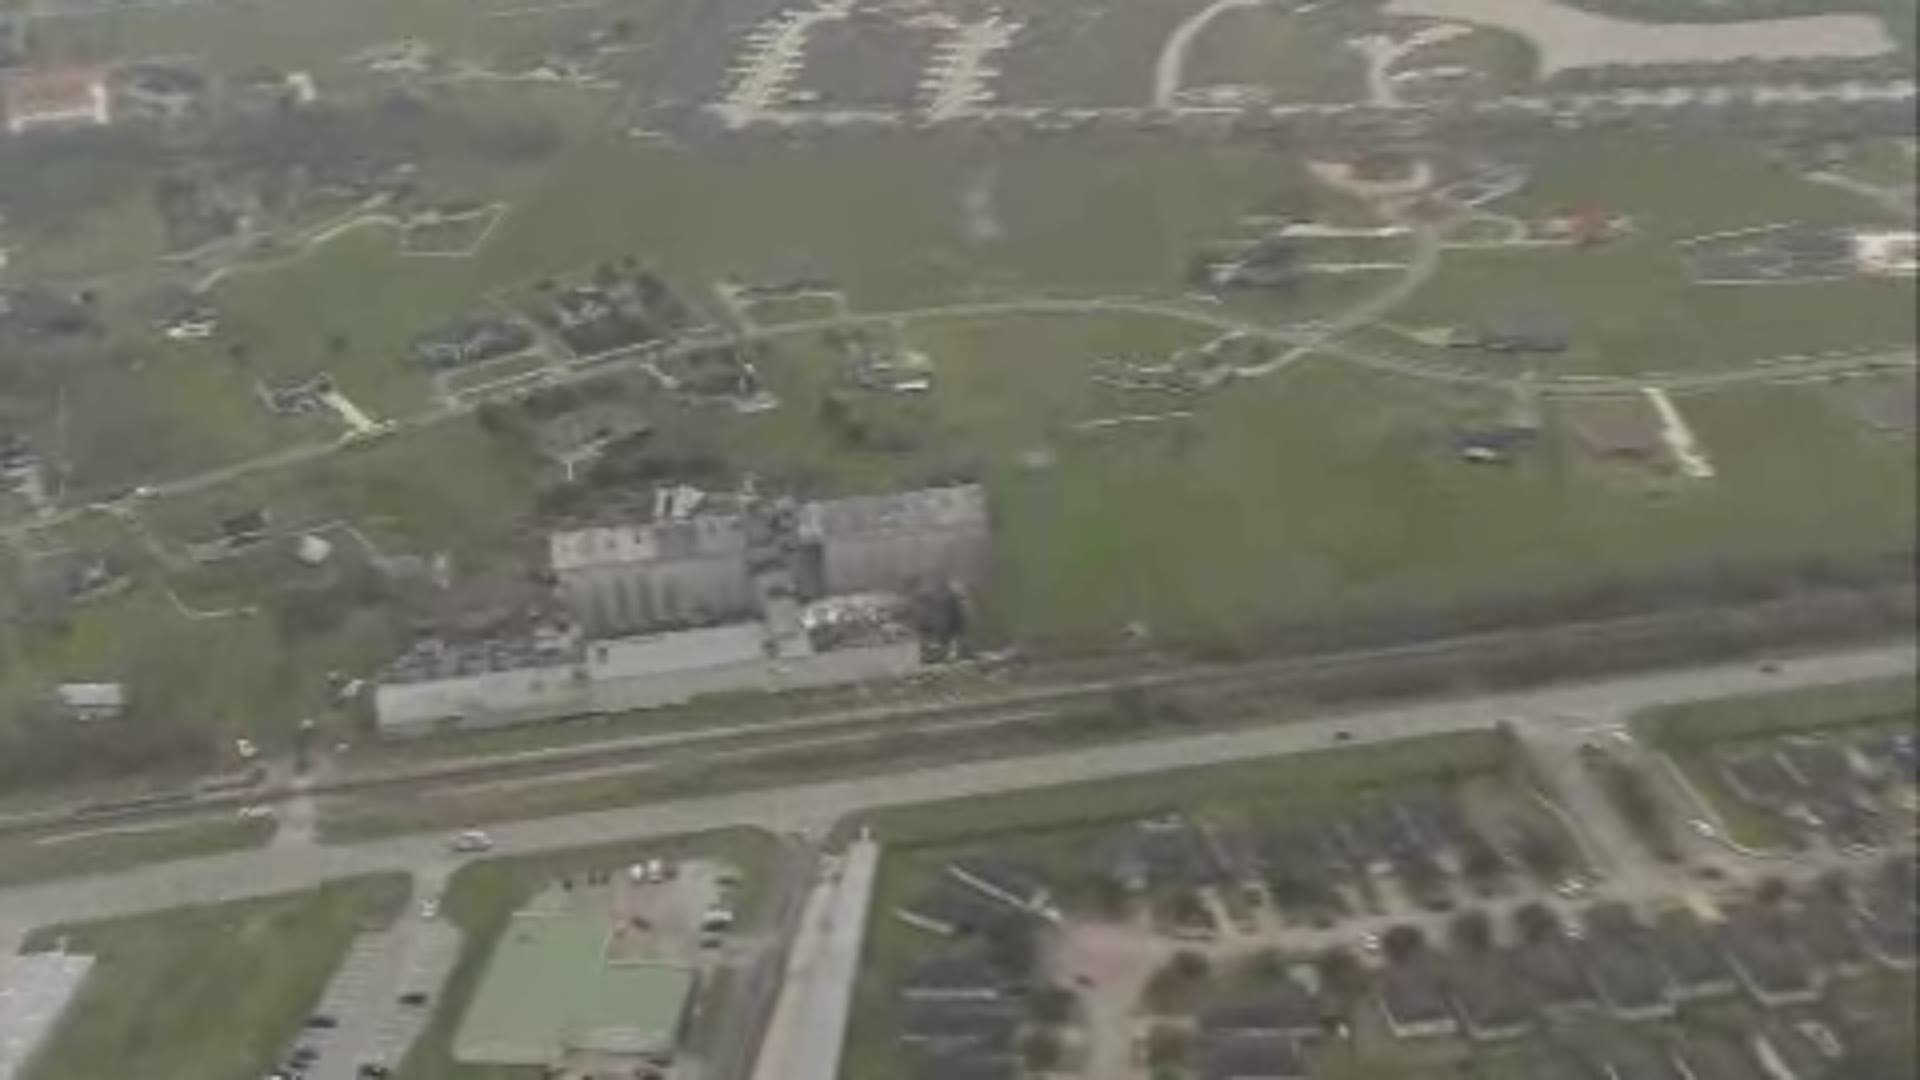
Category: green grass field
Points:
column 205, row 993
column 36, row 858
column 1297, row 58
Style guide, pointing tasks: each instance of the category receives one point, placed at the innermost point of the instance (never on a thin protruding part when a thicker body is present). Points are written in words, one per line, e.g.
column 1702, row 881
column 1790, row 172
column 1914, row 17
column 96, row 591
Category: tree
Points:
column 1771, row 891
column 1173, row 987
column 1041, row 1050
column 1401, row 942
column 1166, row 1046
column 1341, row 973
column 1010, row 946
column 1051, row 1004
column 1536, row 923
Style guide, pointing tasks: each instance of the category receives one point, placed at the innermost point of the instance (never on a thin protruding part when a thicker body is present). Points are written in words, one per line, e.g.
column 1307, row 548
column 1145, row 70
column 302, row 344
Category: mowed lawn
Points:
column 1328, row 491
column 895, row 222
column 1629, row 304
column 205, row 993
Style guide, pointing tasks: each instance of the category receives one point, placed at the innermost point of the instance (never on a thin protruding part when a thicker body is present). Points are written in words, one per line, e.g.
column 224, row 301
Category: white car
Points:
column 430, row 908
column 470, row 841
column 1703, row 827
column 257, row 812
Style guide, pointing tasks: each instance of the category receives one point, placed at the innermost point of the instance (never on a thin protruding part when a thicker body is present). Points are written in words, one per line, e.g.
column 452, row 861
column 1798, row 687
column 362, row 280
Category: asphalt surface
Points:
column 813, row 808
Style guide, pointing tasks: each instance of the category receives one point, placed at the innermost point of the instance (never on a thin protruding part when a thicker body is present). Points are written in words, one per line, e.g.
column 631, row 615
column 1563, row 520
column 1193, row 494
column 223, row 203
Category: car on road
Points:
column 470, row 841
column 430, row 908
column 1343, row 735
column 1703, row 827
column 413, row 998
column 322, row 1021
column 373, row 1070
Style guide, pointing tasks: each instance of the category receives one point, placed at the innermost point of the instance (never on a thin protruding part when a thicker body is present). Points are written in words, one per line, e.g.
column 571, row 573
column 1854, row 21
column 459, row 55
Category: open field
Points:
column 205, row 993
column 1570, row 38
column 1295, row 57
column 483, row 896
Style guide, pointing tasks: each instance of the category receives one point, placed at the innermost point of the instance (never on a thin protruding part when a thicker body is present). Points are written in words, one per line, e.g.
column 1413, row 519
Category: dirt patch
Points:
column 1568, row 38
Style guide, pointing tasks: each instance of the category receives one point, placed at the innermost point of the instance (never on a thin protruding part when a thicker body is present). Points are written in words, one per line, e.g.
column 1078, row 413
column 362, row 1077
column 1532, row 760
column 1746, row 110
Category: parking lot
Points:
column 378, row 1001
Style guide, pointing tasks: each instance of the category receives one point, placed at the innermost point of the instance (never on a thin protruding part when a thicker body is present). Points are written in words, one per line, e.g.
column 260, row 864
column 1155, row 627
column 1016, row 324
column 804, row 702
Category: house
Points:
column 1489, row 997
column 1007, row 882
column 1822, row 925
column 958, row 976
column 1771, row 966
column 1885, row 907
column 1552, row 975
column 1284, row 1010
column 1695, row 969
column 950, row 911
column 1413, row 1000
column 245, row 527
column 86, row 702
column 949, row 1026
column 471, row 339
column 51, row 98
column 1250, row 1057
column 1628, row 981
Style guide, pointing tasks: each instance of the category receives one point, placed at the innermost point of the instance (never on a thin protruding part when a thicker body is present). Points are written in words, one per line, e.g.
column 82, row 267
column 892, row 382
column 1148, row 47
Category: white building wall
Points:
column 623, row 675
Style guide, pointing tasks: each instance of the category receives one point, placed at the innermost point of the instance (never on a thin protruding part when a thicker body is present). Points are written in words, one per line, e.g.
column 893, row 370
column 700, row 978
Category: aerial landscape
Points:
column 941, row 540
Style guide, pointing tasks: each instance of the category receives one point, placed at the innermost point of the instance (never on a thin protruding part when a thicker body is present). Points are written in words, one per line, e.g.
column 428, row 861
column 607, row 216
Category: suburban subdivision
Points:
column 865, row 540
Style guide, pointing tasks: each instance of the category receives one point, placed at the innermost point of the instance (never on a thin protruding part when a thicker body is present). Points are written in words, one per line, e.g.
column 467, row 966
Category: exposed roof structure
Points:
column 932, row 508
column 708, row 536
column 52, row 97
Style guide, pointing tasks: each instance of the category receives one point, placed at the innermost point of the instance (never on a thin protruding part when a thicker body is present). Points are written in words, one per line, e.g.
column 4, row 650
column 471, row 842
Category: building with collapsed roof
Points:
column 437, row 686
column 900, row 542
column 623, row 579
column 772, row 598
column 629, row 578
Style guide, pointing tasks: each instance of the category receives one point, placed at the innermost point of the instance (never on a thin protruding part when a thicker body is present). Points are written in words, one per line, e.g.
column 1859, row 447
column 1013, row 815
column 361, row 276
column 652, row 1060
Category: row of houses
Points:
column 1780, row 955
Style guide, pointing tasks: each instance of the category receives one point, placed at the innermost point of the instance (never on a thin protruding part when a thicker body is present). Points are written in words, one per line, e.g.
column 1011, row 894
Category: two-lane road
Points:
column 813, row 807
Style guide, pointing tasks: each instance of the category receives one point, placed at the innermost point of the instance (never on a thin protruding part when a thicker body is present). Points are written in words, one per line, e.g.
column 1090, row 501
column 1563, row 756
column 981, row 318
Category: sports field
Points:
column 550, row 987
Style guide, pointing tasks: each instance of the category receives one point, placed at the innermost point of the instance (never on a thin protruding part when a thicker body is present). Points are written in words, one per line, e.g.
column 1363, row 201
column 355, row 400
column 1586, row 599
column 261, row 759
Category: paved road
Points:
column 814, row 807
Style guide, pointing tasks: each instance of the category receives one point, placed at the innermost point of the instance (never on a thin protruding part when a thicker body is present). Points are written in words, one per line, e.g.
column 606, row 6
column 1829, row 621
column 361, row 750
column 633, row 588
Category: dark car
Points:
column 322, row 1021
column 413, row 997
column 373, row 1070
